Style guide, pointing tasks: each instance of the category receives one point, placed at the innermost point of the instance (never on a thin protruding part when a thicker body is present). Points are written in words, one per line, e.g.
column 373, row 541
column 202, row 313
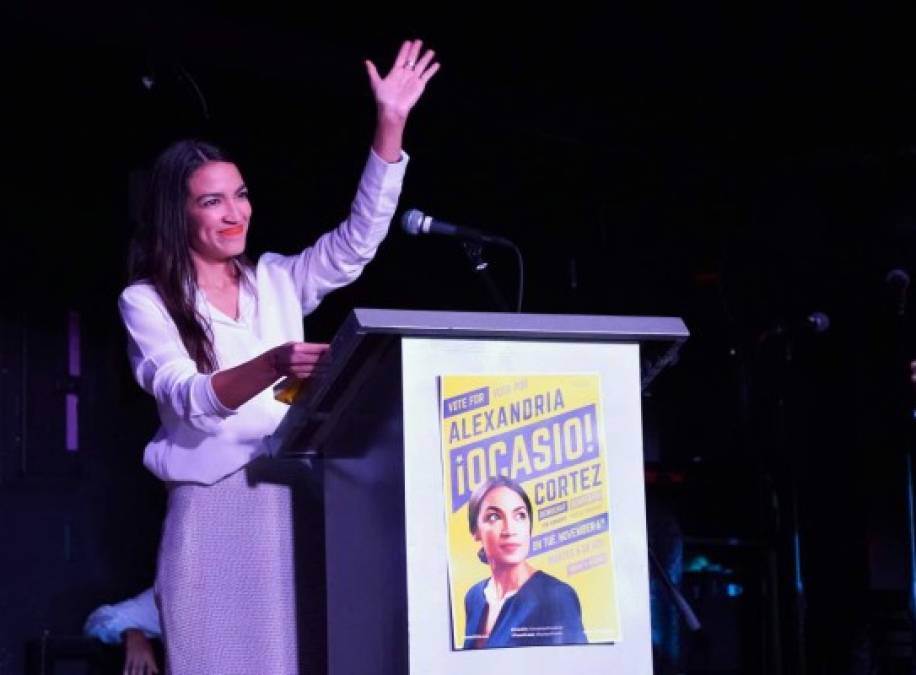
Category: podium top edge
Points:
column 601, row 328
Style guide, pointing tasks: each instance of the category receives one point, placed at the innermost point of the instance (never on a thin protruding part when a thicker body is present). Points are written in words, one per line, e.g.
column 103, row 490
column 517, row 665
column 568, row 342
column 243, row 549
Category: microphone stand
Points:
column 686, row 611
column 786, row 498
column 907, row 412
column 474, row 252
column 911, row 538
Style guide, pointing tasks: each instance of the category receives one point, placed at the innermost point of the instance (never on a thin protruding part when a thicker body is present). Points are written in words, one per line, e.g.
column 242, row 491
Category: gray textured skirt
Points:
column 225, row 579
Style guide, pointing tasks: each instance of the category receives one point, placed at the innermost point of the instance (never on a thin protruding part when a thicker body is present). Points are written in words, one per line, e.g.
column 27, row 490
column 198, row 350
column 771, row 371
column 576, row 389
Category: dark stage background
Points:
column 741, row 169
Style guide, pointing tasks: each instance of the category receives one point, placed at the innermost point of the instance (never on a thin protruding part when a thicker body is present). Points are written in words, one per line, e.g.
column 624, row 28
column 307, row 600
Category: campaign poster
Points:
column 527, row 508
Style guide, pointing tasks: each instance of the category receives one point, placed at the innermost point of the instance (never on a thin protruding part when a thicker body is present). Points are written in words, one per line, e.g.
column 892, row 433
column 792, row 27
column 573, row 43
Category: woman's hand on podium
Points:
column 298, row 359
column 235, row 386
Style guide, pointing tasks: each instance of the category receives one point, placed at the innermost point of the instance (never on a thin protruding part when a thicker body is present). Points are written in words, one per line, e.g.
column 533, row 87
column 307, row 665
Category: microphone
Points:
column 899, row 280
column 816, row 322
column 416, row 222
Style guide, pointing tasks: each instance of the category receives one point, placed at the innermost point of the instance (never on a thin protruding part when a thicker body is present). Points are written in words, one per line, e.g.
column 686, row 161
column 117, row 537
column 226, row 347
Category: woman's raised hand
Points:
column 398, row 91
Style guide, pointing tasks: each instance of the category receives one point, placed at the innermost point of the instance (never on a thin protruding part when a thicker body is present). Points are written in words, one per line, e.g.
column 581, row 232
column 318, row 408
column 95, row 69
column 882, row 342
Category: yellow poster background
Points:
column 537, row 429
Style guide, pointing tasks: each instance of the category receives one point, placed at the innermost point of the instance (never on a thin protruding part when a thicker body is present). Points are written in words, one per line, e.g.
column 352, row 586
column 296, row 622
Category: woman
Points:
column 209, row 333
column 518, row 605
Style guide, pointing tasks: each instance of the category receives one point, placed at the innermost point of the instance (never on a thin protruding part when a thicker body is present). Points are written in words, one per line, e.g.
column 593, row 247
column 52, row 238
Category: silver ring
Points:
column 410, row 64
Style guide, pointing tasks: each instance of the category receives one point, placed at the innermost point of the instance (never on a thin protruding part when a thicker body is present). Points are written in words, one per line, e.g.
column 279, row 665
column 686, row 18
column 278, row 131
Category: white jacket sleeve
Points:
column 339, row 256
column 108, row 622
column 161, row 363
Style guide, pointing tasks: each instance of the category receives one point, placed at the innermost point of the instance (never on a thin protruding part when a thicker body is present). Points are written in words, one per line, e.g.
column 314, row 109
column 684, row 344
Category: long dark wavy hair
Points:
column 160, row 250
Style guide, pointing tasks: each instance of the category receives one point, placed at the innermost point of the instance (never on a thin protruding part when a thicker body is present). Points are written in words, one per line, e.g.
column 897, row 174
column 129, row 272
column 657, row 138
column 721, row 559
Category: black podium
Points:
column 374, row 418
